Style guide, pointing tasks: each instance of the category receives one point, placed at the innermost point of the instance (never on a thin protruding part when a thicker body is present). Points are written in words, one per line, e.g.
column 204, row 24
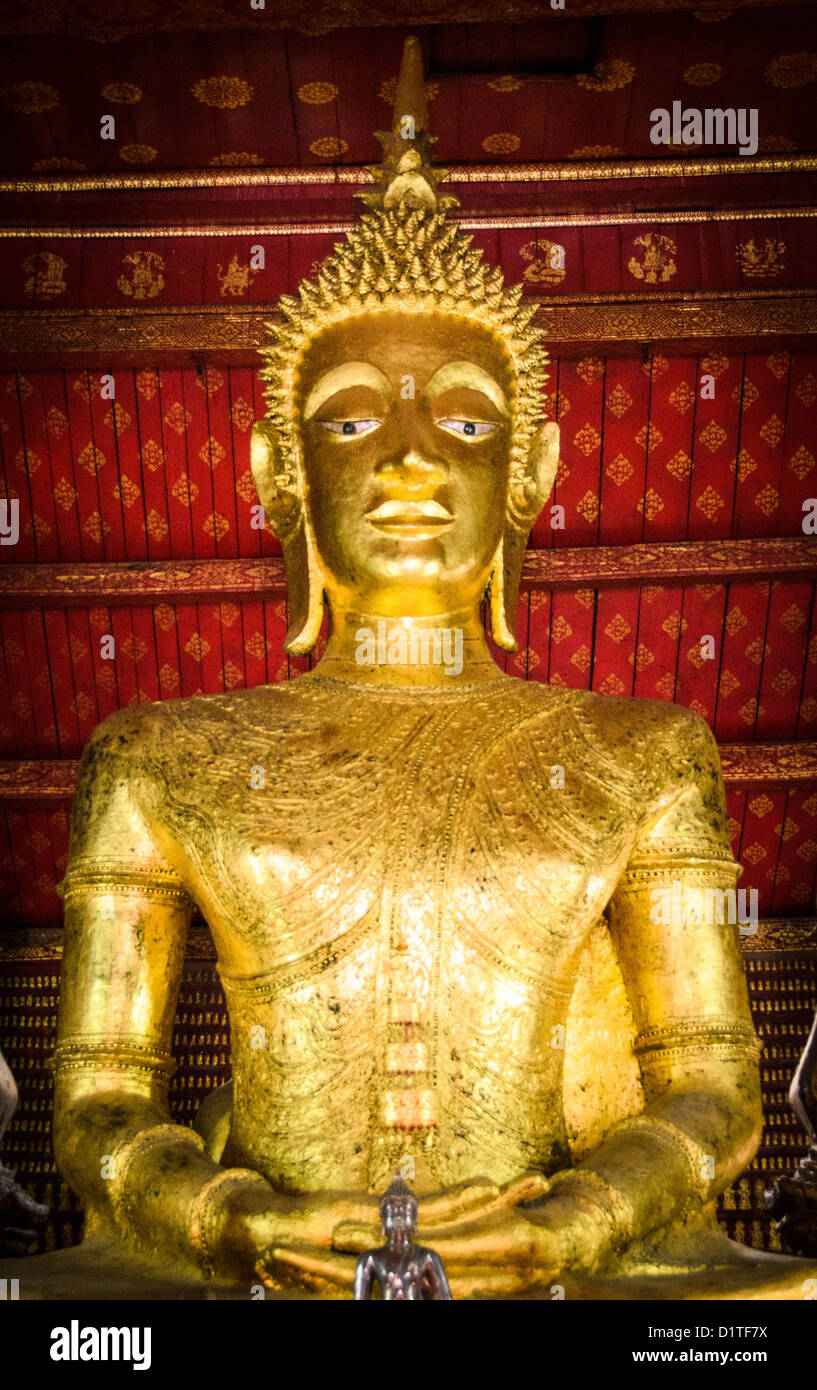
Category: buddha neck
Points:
column 444, row 649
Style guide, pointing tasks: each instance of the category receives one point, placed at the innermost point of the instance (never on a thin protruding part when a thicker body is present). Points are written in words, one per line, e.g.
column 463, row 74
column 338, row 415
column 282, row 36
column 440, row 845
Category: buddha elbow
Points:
column 742, row 1109
column 754, row 1124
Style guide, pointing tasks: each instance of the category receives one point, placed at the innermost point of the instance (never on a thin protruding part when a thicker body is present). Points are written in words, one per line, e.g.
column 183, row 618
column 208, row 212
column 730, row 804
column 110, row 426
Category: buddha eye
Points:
column 350, row 429
column 469, row 429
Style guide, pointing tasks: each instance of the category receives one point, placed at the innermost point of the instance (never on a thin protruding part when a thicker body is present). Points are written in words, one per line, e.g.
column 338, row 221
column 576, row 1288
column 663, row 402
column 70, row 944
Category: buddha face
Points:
column 399, row 1215
column 405, row 426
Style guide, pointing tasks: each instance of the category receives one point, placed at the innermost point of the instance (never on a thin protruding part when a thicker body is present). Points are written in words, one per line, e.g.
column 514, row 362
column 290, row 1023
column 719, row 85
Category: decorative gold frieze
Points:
column 572, row 321
column 565, row 171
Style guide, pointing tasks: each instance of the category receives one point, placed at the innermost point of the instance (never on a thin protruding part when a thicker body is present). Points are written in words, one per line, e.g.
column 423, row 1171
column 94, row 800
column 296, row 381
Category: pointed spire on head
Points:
column 406, row 176
column 398, row 1191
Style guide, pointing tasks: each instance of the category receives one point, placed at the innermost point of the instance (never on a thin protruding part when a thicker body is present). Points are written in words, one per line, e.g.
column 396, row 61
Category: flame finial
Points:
column 405, row 175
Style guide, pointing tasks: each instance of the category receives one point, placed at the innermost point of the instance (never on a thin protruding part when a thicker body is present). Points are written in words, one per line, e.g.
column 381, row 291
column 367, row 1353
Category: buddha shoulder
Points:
column 665, row 750
column 144, row 757
column 140, row 738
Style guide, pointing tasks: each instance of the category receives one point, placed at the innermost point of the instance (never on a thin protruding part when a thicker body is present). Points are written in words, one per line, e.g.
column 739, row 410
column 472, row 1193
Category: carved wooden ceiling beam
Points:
column 574, row 324
column 139, row 582
column 559, row 171
column 154, row 16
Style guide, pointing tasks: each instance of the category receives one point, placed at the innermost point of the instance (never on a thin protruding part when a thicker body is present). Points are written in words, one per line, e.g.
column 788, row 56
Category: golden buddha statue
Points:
column 431, row 886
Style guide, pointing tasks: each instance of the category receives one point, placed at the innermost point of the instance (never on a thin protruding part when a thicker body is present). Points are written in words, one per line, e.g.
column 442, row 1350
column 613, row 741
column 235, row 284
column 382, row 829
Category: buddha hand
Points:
column 489, row 1242
column 297, row 1244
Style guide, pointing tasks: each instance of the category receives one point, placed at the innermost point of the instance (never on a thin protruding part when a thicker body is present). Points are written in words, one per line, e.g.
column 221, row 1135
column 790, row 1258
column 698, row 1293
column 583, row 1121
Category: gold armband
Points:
column 123, row 877
column 201, row 1215
column 697, row 1035
column 131, row 1055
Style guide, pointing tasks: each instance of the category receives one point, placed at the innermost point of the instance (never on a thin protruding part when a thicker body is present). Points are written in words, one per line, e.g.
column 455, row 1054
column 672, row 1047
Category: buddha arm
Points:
column 126, row 923
column 696, row 1043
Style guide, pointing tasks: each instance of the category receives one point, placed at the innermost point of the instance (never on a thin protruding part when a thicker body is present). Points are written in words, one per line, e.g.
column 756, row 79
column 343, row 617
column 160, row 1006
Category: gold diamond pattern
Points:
column 212, row 452
column 196, row 646
column 245, row 487
column 712, row 435
column 649, row 437
column 177, row 418
column 587, row 439
column 757, row 650
column 772, row 431
column 152, row 455
column 127, row 491
column 793, row 618
column 619, row 401
column 590, row 369
column 746, row 465
column 157, row 527
column 165, row 616
column 588, row 506
column 682, row 398
column 674, row 625
column 134, row 647
column 778, row 364
column 650, row 504
column 680, row 465
column 231, row 676
column 641, row 658
column 65, row 494
column 618, row 628
column 185, row 490
column 619, row 470
column 767, row 499
column 783, row 682
column 748, row 393
column 801, row 462
column 243, row 414
column 216, row 525
column 710, row 503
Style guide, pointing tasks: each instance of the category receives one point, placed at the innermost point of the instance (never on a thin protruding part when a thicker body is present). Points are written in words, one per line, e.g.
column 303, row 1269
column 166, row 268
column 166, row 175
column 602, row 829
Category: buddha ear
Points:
column 281, row 494
column 528, row 490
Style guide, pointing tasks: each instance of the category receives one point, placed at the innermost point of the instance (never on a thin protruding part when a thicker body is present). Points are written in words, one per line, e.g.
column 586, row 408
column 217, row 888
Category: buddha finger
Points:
column 476, row 1201
column 528, row 1187
column 452, row 1206
column 511, row 1241
column 307, row 1264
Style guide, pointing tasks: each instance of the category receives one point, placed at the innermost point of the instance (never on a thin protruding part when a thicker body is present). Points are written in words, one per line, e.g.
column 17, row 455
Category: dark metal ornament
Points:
column 405, row 1272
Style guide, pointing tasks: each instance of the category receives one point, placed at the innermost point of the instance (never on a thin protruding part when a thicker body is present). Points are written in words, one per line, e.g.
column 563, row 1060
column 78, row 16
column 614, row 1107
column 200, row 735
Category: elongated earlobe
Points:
column 283, row 496
column 504, row 587
column 305, row 591
column 500, row 632
column 528, row 488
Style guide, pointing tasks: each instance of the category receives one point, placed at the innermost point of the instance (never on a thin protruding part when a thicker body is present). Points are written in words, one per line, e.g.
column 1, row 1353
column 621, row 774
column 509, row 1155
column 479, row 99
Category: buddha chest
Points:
column 399, row 886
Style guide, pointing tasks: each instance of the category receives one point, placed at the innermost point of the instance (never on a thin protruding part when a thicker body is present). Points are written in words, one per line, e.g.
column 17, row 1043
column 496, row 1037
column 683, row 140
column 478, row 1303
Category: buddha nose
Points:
column 412, row 471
